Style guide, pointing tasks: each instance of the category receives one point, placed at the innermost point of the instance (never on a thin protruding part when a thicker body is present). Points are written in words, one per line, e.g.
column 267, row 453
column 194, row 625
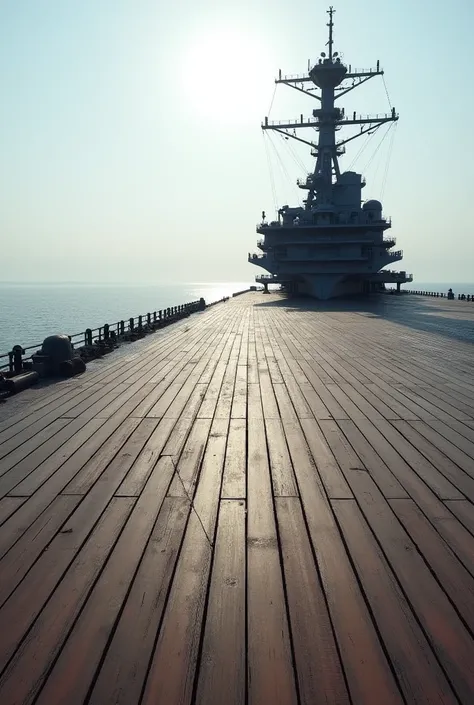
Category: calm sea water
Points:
column 30, row 312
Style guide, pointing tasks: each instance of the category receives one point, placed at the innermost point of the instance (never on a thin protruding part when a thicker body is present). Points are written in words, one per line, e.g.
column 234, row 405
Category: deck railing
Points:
column 275, row 224
column 440, row 294
column 107, row 334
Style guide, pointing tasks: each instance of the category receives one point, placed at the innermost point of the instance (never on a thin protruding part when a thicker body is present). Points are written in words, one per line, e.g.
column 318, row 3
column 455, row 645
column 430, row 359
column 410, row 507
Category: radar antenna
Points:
column 330, row 24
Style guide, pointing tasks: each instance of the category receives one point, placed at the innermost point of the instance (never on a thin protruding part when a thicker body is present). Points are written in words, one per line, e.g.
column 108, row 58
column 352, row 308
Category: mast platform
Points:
column 269, row 502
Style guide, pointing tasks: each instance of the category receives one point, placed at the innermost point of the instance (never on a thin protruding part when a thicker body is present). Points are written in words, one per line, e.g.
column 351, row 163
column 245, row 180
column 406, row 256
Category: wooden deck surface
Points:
column 268, row 503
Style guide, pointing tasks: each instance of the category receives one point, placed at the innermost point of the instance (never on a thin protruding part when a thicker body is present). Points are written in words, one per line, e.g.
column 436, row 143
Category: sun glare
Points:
column 227, row 75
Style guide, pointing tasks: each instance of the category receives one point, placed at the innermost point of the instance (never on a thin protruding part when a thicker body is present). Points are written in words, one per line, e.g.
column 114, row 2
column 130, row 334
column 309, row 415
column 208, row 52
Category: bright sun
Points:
column 227, row 75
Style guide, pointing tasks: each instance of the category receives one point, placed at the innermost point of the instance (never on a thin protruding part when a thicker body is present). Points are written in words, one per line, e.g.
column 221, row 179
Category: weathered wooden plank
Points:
column 87, row 409
column 239, row 402
column 160, row 408
column 16, row 449
column 15, row 564
column 189, row 404
column 328, row 468
column 60, row 442
column 324, row 404
column 120, row 679
column 211, row 397
column 189, row 463
column 281, row 469
column 115, row 456
column 455, row 579
column 420, row 677
column 34, row 423
column 464, row 511
column 75, row 452
column 407, row 459
column 21, row 680
column 8, row 506
column 270, row 668
column 173, row 666
column 384, row 478
column 318, row 667
column 437, row 407
column 148, row 457
column 222, row 675
column 269, row 404
column 286, row 408
column 71, row 676
column 370, row 680
column 40, row 401
column 398, row 409
column 30, row 510
column 448, row 636
column 226, row 394
column 457, row 447
column 460, row 479
column 234, row 480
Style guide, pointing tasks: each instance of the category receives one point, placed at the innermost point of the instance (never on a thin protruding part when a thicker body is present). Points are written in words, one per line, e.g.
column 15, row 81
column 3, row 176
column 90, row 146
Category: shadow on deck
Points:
column 453, row 319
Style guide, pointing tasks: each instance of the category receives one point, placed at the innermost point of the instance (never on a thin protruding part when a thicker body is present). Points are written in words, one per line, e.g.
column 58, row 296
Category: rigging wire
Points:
column 386, row 92
column 283, row 167
column 377, row 162
column 270, row 170
column 377, row 149
column 280, row 162
column 271, row 102
column 377, row 165
column 364, row 145
column 296, row 158
column 387, row 165
column 291, row 180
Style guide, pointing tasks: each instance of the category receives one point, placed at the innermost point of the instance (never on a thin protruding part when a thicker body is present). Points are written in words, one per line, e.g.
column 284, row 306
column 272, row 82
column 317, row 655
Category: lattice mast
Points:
column 328, row 75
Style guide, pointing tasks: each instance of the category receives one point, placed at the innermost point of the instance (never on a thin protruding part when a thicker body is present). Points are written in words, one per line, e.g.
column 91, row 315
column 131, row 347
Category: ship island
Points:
column 335, row 244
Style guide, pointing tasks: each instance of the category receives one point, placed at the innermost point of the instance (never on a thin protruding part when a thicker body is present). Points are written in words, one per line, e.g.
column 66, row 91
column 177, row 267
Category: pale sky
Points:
column 130, row 137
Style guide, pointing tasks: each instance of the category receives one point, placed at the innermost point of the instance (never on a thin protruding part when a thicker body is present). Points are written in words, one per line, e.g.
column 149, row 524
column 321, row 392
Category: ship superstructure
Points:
column 332, row 245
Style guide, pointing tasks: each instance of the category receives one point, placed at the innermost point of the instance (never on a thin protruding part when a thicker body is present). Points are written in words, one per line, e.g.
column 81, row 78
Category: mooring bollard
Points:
column 104, row 338
column 16, row 362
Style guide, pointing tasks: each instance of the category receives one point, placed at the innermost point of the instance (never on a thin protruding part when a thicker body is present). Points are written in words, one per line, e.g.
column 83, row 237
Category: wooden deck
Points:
column 267, row 503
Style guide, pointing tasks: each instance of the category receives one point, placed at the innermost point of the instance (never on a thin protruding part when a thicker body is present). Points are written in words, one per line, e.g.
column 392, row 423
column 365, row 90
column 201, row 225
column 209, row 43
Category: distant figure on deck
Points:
column 450, row 294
